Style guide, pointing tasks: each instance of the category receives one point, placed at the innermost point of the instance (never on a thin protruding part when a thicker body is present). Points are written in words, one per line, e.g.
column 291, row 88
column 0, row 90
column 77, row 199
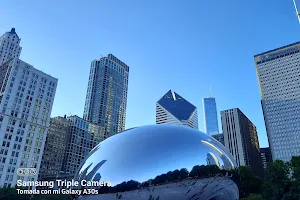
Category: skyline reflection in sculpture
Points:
column 156, row 156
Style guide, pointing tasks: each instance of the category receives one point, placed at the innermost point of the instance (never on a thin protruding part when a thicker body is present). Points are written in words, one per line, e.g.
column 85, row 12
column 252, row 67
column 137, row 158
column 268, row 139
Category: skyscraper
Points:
column 106, row 97
column 278, row 74
column 83, row 137
column 55, row 146
column 9, row 46
column 210, row 115
column 240, row 137
column 26, row 100
column 174, row 109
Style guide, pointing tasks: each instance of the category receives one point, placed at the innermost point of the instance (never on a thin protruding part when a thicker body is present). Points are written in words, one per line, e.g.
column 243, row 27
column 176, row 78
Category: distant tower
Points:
column 174, row 109
column 210, row 115
column 10, row 46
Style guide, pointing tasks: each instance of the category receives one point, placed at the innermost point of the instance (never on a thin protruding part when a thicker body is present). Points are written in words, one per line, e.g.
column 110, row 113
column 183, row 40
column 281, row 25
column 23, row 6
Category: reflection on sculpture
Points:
column 161, row 162
column 212, row 159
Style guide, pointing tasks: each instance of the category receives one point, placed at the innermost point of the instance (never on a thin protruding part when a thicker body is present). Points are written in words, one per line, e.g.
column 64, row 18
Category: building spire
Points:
column 297, row 13
column 210, row 91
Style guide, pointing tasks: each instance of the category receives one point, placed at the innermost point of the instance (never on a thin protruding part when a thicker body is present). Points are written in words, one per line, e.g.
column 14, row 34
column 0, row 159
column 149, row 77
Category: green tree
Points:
column 175, row 175
column 213, row 169
column 277, row 183
column 249, row 182
column 295, row 166
column 184, row 173
column 294, row 185
column 12, row 194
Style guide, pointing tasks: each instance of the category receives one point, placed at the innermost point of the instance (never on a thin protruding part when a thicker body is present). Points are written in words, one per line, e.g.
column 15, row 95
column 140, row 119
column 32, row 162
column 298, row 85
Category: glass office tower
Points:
column 278, row 74
column 210, row 115
column 174, row 109
column 106, row 97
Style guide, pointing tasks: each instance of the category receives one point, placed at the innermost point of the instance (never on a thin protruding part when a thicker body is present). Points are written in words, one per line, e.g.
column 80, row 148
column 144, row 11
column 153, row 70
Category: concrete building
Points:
column 266, row 156
column 26, row 98
column 174, row 109
column 211, row 125
column 83, row 137
column 106, row 97
column 55, row 147
column 9, row 46
column 278, row 74
column 240, row 137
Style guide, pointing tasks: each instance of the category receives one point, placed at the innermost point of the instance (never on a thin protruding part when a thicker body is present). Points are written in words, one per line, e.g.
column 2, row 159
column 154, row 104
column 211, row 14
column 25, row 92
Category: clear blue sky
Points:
column 180, row 45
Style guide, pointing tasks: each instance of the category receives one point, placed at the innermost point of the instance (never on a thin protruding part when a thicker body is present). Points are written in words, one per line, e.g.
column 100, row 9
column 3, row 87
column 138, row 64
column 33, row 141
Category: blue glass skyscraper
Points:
column 106, row 97
column 174, row 109
column 210, row 115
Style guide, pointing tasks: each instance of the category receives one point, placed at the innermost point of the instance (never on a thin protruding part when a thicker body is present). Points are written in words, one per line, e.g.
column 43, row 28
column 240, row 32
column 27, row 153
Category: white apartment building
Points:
column 26, row 99
column 278, row 73
column 9, row 46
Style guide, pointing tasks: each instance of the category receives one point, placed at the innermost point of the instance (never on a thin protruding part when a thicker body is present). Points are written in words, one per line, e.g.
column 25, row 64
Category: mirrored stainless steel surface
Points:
column 160, row 162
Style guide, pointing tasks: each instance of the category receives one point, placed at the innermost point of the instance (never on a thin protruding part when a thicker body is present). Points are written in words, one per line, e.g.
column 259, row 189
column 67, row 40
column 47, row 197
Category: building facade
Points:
column 266, row 156
column 55, row 146
column 210, row 116
column 106, row 97
column 278, row 74
column 83, row 137
column 9, row 46
column 240, row 138
column 26, row 99
column 174, row 109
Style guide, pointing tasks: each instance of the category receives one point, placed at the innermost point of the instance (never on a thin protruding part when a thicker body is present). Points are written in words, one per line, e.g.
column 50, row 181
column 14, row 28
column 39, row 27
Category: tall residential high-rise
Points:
column 240, row 137
column 9, row 46
column 83, row 137
column 106, row 97
column 55, row 146
column 278, row 74
column 174, row 109
column 26, row 99
column 210, row 116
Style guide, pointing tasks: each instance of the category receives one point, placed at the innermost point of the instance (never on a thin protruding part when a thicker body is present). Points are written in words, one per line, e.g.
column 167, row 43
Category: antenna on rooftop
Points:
column 297, row 12
column 210, row 91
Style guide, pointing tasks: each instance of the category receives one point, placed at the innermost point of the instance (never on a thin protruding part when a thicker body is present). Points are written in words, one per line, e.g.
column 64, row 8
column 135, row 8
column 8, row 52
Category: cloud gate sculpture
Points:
column 160, row 162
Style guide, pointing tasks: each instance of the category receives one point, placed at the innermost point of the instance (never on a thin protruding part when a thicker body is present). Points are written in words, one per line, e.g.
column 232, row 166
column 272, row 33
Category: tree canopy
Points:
column 281, row 183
